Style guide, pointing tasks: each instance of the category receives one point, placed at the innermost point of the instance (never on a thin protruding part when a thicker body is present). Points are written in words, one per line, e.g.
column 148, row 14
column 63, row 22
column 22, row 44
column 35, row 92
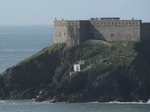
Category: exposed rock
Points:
column 116, row 71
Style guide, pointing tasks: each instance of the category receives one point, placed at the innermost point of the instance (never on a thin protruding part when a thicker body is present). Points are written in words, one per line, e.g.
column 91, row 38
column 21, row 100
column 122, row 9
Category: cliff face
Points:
column 115, row 71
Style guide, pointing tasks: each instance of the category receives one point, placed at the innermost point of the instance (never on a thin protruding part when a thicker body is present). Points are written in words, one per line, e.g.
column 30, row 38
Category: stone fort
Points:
column 74, row 32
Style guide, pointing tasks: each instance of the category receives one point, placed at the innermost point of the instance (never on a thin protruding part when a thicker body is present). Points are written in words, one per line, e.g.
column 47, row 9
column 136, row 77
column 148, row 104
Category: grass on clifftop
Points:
column 101, row 55
column 114, row 53
column 48, row 50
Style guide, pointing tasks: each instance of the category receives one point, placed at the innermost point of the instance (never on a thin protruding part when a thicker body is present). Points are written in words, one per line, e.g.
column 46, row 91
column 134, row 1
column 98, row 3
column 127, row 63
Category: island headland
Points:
column 76, row 70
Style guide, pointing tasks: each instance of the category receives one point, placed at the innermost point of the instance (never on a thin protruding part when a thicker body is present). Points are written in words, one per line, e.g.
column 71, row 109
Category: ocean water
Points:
column 31, row 106
column 20, row 42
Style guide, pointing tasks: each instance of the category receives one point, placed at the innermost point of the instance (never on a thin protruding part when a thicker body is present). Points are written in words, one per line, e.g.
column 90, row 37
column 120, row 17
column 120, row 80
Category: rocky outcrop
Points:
column 115, row 71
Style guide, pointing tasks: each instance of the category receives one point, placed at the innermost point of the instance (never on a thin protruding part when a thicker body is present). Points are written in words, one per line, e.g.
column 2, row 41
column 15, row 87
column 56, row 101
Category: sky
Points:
column 43, row 12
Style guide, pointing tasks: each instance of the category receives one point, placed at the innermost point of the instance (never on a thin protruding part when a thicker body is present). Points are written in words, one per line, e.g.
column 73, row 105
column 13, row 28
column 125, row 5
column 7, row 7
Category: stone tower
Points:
column 71, row 32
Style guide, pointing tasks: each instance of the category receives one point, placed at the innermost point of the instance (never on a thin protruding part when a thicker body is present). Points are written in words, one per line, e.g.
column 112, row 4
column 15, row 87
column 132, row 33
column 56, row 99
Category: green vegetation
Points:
column 103, row 56
column 48, row 50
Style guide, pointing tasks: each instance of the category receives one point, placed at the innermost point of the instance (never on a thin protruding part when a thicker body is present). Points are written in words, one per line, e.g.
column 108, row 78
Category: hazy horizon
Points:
column 43, row 12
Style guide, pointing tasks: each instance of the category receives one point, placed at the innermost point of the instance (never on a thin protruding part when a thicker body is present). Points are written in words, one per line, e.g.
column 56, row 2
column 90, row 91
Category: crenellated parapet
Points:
column 118, row 23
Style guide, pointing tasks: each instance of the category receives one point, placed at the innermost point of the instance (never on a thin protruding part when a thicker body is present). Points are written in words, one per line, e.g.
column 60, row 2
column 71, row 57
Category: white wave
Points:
column 94, row 102
column 140, row 102
column 43, row 102
column 2, row 101
column 117, row 102
column 148, row 101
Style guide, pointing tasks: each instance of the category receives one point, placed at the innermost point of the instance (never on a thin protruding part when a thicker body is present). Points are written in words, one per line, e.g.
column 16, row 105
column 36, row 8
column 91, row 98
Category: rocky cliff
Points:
column 114, row 71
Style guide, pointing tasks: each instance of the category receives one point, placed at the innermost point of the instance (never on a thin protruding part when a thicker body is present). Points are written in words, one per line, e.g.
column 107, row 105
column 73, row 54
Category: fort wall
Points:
column 60, row 31
column 84, row 30
column 108, row 29
column 115, row 30
column 145, row 31
column 71, row 32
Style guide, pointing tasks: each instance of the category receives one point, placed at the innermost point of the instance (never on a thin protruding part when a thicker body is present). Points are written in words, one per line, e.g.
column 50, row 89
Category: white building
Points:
column 77, row 68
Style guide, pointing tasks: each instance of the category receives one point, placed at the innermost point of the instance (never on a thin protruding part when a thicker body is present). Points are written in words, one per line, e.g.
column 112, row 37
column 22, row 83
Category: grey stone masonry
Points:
column 74, row 32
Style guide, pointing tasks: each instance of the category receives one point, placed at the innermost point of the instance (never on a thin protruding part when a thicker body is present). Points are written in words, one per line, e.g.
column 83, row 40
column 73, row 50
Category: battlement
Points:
column 108, row 18
column 74, row 32
column 58, row 23
column 115, row 22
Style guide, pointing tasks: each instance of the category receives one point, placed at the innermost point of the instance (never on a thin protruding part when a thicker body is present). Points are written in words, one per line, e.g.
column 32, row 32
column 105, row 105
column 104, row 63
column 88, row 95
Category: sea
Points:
column 32, row 106
column 20, row 42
